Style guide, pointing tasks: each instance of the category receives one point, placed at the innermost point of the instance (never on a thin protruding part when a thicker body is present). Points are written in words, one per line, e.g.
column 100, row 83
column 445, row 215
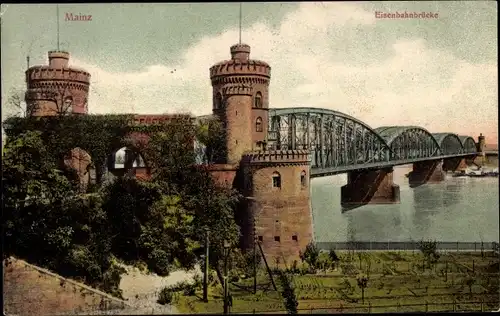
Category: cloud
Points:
column 413, row 85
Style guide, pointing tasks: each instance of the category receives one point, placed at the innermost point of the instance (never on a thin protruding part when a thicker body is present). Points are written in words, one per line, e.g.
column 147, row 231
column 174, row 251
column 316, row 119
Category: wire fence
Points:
column 456, row 306
column 408, row 245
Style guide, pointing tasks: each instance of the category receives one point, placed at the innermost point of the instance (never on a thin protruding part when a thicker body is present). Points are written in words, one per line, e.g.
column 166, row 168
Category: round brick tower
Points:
column 56, row 88
column 241, row 101
column 274, row 182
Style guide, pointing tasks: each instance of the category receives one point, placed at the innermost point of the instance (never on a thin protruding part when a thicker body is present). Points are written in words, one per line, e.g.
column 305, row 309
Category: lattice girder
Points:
column 449, row 143
column 468, row 143
column 333, row 138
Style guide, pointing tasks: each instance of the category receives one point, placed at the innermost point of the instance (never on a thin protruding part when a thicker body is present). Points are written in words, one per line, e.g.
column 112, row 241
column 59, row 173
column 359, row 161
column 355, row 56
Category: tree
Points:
column 288, row 292
column 333, row 257
column 26, row 104
column 212, row 134
column 47, row 222
column 470, row 281
column 15, row 104
column 175, row 169
column 158, row 222
column 429, row 250
column 363, row 284
column 310, row 255
column 59, row 97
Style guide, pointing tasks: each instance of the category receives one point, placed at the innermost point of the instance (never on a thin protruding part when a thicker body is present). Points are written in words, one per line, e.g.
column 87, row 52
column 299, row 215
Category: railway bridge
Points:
column 339, row 143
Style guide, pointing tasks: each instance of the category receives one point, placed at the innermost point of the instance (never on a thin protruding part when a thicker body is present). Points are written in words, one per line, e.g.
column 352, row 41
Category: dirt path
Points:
column 141, row 289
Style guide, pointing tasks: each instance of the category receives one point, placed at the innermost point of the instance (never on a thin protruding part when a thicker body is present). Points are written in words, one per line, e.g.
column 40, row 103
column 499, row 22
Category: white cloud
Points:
column 415, row 85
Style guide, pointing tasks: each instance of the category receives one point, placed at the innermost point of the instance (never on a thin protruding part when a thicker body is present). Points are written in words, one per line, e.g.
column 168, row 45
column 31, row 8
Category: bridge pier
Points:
column 369, row 187
column 454, row 164
column 426, row 172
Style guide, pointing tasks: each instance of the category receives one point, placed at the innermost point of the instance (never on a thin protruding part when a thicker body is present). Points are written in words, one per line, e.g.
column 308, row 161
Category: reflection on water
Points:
column 458, row 209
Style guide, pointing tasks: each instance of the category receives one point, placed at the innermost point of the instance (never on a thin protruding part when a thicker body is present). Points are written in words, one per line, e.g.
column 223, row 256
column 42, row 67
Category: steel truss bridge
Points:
column 340, row 143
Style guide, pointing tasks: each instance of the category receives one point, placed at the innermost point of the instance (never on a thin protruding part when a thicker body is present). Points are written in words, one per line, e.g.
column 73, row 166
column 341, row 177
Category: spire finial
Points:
column 240, row 20
column 57, row 5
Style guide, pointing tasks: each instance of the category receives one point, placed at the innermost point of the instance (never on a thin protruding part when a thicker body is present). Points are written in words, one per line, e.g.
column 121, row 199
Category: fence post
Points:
column 369, row 307
column 457, row 246
column 482, row 306
column 454, row 305
column 426, row 306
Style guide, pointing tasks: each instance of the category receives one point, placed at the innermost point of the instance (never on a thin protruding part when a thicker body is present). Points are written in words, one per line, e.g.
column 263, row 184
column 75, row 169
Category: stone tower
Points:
column 275, row 183
column 481, row 144
column 56, row 88
column 240, row 100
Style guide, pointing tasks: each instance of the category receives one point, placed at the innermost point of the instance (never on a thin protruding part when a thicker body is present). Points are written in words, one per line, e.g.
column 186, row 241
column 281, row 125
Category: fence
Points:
column 407, row 245
column 471, row 306
column 425, row 307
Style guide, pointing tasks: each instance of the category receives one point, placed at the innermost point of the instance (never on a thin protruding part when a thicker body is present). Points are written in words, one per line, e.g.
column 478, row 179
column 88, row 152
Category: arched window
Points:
column 303, row 179
column 218, row 101
column 276, row 180
column 258, row 100
column 258, row 124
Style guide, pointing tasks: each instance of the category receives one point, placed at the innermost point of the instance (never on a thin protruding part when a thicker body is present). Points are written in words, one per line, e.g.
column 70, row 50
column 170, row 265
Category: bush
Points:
column 310, row 255
column 165, row 296
column 188, row 289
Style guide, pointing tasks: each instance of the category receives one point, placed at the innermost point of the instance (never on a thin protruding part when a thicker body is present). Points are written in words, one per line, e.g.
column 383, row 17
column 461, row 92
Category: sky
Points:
column 437, row 73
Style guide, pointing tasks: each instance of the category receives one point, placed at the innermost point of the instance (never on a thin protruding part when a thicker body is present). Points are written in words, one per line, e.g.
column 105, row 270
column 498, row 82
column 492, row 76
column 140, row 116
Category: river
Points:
column 457, row 209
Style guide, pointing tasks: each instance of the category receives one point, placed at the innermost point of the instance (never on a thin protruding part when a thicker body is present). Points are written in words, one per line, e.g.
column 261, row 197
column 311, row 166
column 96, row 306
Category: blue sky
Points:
column 438, row 73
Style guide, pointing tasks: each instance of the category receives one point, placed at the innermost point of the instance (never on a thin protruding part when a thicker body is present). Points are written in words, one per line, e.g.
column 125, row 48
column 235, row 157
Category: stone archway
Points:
column 81, row 162
column 127, row 160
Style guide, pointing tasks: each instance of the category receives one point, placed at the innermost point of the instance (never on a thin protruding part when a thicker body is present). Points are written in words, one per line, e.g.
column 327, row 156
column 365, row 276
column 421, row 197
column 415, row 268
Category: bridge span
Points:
column 339, row 143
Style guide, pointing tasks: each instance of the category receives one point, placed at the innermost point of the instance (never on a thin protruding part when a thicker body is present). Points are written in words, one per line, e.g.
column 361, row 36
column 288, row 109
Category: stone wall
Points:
column 30, row 290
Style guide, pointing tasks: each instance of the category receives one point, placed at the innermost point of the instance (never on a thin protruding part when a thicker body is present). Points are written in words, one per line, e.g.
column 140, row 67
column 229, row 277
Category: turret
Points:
column 241, row 101
column 56, row 88
column 481, row 144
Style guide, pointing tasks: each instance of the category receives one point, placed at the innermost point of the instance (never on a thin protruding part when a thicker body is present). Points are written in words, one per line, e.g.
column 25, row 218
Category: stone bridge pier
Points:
column 426, row 172
column 369, row 187
column 454, row 164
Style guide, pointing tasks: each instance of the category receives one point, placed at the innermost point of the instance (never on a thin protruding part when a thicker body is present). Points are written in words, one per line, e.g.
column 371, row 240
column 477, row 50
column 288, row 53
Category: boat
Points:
column 480, row 173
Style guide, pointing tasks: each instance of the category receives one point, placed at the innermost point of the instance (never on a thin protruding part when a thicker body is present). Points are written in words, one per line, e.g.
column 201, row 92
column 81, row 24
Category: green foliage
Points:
column 429, row 250
column 245, row 262
column 333, row 256
column 158, row 223
column 288, row 292
column 165, row 296
column 310, row 255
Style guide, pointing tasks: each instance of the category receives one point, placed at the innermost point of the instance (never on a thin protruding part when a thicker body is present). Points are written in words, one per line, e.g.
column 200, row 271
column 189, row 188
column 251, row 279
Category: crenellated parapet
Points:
column 242, row 79
column 43, row 73
column 277, row 157
column 240, row 68
column 236, row 67
column 57, row 88
column 47, row 85
column 152, row 119
column 237, row 89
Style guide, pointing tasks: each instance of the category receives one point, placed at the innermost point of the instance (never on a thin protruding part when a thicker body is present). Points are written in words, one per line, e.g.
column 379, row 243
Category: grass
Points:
column 396, row 279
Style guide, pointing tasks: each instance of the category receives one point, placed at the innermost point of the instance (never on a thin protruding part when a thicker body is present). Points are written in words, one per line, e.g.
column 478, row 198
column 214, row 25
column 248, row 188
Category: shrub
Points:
column 165, row 296
column 310, row 255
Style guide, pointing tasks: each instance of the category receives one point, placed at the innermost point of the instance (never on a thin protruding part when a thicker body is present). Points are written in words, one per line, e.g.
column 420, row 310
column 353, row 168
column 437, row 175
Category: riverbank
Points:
column 397, row 281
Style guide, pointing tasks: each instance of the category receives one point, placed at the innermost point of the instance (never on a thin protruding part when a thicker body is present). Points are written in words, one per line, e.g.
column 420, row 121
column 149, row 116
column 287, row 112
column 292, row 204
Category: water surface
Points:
column 458, row 209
